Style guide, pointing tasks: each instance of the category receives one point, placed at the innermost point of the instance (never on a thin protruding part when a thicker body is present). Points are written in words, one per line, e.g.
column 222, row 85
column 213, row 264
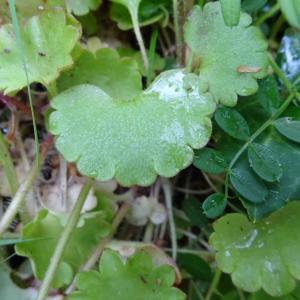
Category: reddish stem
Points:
column 13, row 104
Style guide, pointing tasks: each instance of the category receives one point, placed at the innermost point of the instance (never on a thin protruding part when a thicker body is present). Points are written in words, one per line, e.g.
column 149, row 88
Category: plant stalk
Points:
column 270, row 13
column 8, row 166
column 168, row 198
column 214, row 284
column 137, row 31
column 63, row 241
column 17, row 201
column 178, row 35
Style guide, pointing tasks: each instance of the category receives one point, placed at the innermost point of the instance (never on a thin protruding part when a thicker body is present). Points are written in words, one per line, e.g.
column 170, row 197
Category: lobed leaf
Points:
column 261, row 255
column 46, row 52
column 133, row 139
column 117, row 77
column 231, row 59
column 85, row 237
column 136, row 279
column 82, row 7
column 231, row 10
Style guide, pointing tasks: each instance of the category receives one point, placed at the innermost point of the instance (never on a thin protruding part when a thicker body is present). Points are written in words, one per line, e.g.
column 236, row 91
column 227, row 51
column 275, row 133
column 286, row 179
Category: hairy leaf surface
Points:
column 261, row 255
column 133, row 139
column 231, row 59
column 117, row 77
column 85, row 237
column 137, row 279
column 46, row 52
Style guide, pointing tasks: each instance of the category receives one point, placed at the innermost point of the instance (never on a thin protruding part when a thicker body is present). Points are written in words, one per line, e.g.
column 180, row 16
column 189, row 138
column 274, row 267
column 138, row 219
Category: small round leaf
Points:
column 214, row 205
column 288, row 128
column 210, row 161
column 233, row 123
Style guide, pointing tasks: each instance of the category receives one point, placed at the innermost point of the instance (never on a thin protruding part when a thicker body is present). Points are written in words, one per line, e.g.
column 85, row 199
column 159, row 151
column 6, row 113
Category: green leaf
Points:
column 268, row 95
column 261, row 255
column 291, row 10
column 233, row 123
column 247, row 183
column 43, row 59
column 27, row 9
column 8, row 290
column 192, row 209
column 289, row 128
column 137, row 279
column 214, row 205
column 253, row 6
column 286, row 152
column 158, row 64
column 85, row 237
column 288, row 188
column 117, row 77
column 198, row 268
column 264, row 162
column 231, row 11
column 231, row 58
column 133, row 140
column 82, row 7
column 210, row 161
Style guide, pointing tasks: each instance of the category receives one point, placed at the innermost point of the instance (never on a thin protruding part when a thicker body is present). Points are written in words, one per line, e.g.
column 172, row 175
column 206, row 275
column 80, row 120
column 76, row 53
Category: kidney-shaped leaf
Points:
column 135, row 280
column 46, row 52
column 133, row 140
column 231, row 58
column 262, row 255
column 92, row 227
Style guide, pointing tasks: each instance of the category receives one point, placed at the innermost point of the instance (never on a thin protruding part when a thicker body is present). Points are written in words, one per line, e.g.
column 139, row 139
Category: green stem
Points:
column 8, row 165
column 168, row 198
column 153, row 43
column 214, row 284
column 280, row 74
column 270, row 13
column 257, row 133
column 137, row 31
column 17, row 201
column 63, row 241
column 179, row 43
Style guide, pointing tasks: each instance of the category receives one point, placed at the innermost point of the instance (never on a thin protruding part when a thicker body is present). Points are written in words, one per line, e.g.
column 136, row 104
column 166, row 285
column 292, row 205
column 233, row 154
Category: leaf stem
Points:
column 179, row 43
column 102, row 243
column 214, row 284
column 8, row 165
column 137, row 31
column 63, row 241
column 166, row 185
column 270, row 13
